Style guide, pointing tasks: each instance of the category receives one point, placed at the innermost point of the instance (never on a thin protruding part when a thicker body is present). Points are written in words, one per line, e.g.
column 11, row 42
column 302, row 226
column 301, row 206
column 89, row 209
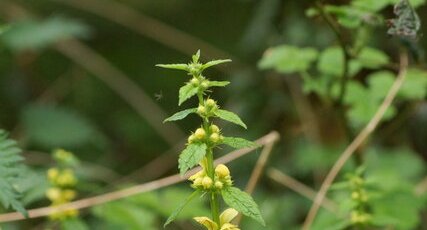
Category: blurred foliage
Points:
column 47, row 101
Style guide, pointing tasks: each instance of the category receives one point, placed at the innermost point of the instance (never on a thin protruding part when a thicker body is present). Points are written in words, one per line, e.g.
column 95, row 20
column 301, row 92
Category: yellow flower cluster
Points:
column 359, row 215
column 208, row 108
column 213, row 135
column 203, row 181
column 62, row 181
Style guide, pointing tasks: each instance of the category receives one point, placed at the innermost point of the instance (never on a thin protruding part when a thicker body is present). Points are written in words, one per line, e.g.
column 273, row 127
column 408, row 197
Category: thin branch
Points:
column 335, row 28
column 152, row 28
column 300, row 188
column 357, row 142
column 124, row 193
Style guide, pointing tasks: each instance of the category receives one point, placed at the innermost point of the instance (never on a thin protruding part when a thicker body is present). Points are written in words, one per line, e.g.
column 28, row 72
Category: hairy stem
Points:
column 214, row 201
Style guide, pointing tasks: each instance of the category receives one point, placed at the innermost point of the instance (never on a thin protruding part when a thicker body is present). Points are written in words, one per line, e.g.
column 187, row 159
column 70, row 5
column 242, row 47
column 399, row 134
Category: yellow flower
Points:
column 200, row 133
column 225, row 218
column 222, row 171
column 52, row 174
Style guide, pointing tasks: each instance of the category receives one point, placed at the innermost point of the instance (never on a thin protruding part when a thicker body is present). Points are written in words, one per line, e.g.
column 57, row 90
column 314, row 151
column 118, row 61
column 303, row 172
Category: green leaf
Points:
column 35, row 35
column 56, row 126
column 239, row 143
column 364, row 101
column 243, row 203
column 180, row 115
column 288, row 59
column 331, row 62
column 230, row 116
column 372, row 58
column 125, row 215
column 73, row 224
column 214, row 62
column 10, row 171
column 175, row 213
column 191, row 156
column 174, row 66
column 186, row 92
column 218, row 83
column 415, row 85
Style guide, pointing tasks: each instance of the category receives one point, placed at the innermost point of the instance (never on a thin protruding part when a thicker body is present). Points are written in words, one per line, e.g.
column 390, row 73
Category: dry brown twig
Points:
column 300, row 188
column 357, row 142
column 123, row 193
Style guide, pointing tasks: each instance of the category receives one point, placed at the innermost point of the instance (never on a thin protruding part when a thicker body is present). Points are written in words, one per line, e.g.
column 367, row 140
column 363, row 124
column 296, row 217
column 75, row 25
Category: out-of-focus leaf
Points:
column 56, row 127
column 36, row 35
column 415, row 85
column 74, row 224
column 364, row 102
column 125, row 215
column 372, row 58
column 288, row 59
column 331, row 62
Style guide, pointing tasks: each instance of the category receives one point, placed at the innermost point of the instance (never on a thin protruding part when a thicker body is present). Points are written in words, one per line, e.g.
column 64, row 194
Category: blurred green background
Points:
column 81, row 75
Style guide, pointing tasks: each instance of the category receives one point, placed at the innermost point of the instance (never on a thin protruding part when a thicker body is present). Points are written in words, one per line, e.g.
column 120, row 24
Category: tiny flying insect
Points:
column 159, row 95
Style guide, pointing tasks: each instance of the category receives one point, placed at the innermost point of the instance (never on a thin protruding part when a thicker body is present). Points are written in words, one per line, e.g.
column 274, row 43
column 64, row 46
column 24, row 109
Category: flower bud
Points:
column 219, row 185
column 194, row 81
column 191, row 138
column 207, row 182
column 200, row 133
column 210, row 103
column 198, row 181
column 69, row 194
column 214, row 129
column 222, row 171
column 205, row 84
column 214, row 137
column 53, row 194
column 52, row 174
column 355, row 195
column 201, row 109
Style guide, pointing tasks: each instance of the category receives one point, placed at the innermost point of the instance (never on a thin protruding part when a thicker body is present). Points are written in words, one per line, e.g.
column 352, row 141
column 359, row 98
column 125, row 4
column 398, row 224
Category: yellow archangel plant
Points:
column 211, row 181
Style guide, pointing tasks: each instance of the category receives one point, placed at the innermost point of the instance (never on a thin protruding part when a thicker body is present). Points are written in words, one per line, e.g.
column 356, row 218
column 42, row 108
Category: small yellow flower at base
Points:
column 219, row 185
column 225, row 218
column 66, row 178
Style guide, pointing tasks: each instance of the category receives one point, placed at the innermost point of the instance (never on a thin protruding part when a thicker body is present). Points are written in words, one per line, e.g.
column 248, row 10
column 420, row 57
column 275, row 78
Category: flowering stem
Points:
column 214, row 201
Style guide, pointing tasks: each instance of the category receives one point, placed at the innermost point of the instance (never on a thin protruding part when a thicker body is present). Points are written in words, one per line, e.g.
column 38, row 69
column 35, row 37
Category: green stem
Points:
column 214, row 201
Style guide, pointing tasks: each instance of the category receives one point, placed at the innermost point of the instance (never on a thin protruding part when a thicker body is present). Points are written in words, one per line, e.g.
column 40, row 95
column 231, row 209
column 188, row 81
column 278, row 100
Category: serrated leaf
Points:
column 186, row 92
column 174, row 66
column 191, row 156
column 239, row 143
column 214, row 62
column 10, row 170
column 288, row 59
column 175, row 213
column 242, row 202
column 230, row 116
column 180, row 115
column 218, row 83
